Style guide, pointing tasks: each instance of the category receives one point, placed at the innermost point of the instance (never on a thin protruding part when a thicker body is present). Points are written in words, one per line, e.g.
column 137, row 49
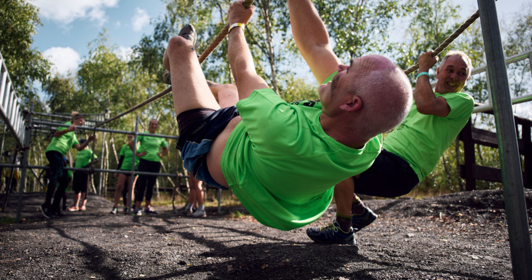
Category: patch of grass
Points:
column 210, row 199
column 7, row 221
column 236, row 215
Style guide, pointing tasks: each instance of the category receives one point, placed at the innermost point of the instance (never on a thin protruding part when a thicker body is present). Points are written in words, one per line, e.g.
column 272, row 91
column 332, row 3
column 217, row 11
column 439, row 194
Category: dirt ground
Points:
column 456, row 236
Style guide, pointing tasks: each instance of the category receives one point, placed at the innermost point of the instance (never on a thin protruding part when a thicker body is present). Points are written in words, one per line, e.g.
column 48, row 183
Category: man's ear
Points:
column 354, row 104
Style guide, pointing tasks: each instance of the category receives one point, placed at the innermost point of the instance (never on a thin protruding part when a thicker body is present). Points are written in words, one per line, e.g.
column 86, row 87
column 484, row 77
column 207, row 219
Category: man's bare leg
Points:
column 343, row 195
column 189, row 87
column 226, row 95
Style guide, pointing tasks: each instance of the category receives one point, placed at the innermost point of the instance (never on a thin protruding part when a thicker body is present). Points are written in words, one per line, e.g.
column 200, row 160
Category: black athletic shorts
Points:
column 389, row 176
column 197, row 130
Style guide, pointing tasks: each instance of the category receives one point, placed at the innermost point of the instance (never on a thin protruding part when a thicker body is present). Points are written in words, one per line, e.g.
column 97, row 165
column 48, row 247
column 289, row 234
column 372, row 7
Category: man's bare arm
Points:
column 312, row 39
column 240, row 58
column 426, row 101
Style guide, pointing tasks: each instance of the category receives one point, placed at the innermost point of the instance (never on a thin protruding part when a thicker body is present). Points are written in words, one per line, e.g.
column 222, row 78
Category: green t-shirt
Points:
column 64, row 143
column 422, row 139
column 282, row 166
column 151, row 145
column 83, row 158
column 128, row 157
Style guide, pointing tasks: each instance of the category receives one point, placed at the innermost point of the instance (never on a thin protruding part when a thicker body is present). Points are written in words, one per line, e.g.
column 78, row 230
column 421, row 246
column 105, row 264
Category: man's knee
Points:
column 179, row 44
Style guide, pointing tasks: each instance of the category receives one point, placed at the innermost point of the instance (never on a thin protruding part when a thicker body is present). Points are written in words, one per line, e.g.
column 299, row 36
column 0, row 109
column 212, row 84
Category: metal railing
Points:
column 10, row 110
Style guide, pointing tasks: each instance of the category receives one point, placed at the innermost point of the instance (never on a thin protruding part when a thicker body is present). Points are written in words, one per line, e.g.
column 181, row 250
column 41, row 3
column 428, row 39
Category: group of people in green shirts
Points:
column 147, row 160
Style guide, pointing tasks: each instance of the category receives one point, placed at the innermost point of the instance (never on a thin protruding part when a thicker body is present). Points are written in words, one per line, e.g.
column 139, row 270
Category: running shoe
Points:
column 115, row 210
column 188, row 32
column 137, row 212
column 331, row 234
column 361, row 221
column 198, row 214
column 45, row 212
column 125, row 210
column 73, row 209
column 150, row 210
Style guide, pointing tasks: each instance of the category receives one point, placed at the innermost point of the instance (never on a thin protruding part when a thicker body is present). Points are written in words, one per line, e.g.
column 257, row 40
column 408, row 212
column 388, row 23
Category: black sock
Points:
column 358, row 207
column 345, row 223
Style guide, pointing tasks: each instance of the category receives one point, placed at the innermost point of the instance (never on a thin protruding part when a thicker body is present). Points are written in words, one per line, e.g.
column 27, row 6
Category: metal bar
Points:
column 512, row 178
column 133, row 159
column 101, row 164
column 6, row 93
column 219, row 201
column 63, row 117
column 515, row 100
column 108, row 130
column 2, row 145
column 27, row 138
column 95, row 170
column 9, row 182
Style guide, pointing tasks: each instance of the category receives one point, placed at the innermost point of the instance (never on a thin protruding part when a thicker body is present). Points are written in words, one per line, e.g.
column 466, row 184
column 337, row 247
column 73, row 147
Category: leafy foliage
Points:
column 18, row 24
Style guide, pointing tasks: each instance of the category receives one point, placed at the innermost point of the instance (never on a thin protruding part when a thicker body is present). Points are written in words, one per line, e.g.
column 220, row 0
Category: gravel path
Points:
column 457, row 236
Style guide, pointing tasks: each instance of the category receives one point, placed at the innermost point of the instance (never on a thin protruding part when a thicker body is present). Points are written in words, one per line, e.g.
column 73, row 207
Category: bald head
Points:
column 385, row 91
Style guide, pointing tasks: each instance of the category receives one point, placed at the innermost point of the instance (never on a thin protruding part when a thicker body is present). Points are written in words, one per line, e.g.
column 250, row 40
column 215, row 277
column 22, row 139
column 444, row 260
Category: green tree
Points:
column 358, row 27
column 18, row 24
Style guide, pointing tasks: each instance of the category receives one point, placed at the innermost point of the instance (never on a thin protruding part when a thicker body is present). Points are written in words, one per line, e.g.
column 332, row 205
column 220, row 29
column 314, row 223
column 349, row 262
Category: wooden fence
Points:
column 471, row 135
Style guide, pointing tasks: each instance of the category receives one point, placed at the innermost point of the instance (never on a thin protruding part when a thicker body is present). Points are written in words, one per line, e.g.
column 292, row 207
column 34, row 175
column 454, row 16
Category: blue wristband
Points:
column 422, row 74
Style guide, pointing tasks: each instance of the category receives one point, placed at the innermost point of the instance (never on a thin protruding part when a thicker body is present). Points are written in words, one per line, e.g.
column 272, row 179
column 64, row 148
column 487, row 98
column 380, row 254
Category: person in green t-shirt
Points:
column 282, row 160
column 64, row 139
column 410, row 151
column 150, row 161
column 126, row 159
column 81, row 178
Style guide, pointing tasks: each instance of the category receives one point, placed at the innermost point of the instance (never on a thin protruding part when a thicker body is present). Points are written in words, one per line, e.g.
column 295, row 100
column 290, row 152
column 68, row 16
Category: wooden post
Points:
column 469, row 156
column 527, row 142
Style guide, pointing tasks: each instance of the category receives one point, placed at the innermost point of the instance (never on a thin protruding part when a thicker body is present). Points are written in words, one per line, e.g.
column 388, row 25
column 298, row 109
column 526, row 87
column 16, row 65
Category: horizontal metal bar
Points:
column 64, row 117
column 108, row 130
column 87, row 169
column 515, row 100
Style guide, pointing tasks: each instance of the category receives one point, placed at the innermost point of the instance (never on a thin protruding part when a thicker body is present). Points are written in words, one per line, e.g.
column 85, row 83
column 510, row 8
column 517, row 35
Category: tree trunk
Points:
column 265, row 11
column 106, row 175
column 114, row 148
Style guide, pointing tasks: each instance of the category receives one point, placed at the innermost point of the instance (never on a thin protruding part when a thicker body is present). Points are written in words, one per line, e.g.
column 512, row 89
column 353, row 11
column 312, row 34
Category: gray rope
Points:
column 449, row 40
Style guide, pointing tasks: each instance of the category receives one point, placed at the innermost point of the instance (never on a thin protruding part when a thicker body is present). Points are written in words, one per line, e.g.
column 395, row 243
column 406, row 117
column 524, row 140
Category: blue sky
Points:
column 68, row 26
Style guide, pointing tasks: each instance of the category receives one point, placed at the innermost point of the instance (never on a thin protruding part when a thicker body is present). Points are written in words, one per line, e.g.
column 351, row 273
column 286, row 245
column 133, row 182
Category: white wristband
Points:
column 235, row 25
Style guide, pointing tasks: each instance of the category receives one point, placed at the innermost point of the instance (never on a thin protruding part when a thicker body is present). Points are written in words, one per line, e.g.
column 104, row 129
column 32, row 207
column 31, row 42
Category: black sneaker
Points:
column 331, row 234
column 188, row 32
column 57, row 212
column 361, row 221
column 45, row 212
column 150, row 211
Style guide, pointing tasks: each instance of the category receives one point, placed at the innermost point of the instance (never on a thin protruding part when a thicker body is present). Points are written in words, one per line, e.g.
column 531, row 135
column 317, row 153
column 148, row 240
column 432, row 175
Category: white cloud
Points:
column 64, row 59
column 117, row 23
column 140, row 19
column 124, row 53
column 66, row 11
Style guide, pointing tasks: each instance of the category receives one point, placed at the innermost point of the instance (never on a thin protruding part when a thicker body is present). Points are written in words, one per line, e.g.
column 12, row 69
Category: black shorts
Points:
column 389, row 176
column 81, row 181
column 197, row 130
